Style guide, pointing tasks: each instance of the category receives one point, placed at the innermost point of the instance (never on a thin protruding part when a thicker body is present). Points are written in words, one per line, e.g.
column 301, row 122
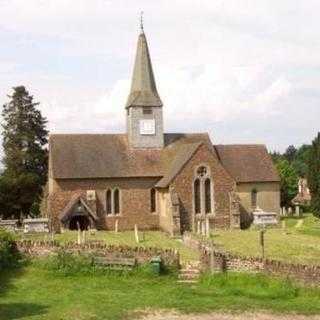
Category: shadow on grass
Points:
column 6, row 278
column 11, row 311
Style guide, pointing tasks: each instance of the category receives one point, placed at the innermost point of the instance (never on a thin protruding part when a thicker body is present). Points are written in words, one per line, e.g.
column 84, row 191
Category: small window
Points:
column 197, row 205
column 147, row 111
column 108, row 202
column 153, row 204
column 254, row 196
column 116, row 201
column 207, row 194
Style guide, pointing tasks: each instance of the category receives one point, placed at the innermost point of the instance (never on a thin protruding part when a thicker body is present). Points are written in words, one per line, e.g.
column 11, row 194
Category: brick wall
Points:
column 223, row 184
column 134, row 201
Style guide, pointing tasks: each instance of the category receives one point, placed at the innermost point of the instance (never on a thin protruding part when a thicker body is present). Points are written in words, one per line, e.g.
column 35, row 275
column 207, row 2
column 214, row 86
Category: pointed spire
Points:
column 143, row 87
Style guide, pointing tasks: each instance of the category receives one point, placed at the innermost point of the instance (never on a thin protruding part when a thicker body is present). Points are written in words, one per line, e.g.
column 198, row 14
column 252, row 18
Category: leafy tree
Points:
column 314, row 175
column 300, row 161
column 25, row 153
column 288, row 181
column 276, row 156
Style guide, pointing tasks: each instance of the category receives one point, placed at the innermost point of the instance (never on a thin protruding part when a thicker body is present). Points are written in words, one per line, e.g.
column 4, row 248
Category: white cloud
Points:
column 218, row 64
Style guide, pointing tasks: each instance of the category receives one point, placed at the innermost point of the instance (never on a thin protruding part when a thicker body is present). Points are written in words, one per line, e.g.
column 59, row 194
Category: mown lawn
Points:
column 147, row 239
column 292, row 244
column 37, row 293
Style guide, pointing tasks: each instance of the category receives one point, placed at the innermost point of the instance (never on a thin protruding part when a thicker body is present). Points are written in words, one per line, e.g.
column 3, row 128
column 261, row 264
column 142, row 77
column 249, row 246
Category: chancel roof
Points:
column 247, row 162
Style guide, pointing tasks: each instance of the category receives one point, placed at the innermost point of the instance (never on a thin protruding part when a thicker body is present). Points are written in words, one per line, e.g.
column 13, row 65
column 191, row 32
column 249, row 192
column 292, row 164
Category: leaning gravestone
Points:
column 38, row 225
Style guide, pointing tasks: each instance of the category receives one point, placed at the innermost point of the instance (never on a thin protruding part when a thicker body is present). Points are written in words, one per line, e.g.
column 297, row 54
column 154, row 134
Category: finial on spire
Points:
column 141, row 21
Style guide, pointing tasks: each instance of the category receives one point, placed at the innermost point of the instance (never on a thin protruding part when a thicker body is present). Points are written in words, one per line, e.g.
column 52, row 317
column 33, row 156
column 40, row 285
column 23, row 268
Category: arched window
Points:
column 153, row 204
column 197, row 198
column 108, row 202
column 116, row 202
column 254, row 196
column 207, row 195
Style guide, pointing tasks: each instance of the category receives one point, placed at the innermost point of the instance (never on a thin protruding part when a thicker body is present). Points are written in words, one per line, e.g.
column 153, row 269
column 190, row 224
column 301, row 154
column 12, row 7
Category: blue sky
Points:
column 245, row 71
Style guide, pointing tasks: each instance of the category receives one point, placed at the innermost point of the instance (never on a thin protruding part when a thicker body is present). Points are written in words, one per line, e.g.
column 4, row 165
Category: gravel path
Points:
column 220, row 316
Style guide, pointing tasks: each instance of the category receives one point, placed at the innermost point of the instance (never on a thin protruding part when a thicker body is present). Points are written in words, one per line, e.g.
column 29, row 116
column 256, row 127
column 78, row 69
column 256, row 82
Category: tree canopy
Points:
column 314, row 175
column 25, row 153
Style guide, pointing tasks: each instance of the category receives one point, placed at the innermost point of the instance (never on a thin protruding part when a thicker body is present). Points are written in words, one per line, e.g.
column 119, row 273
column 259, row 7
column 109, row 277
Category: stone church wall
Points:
column 223, row 184
column 268, row 195
column 134, row 201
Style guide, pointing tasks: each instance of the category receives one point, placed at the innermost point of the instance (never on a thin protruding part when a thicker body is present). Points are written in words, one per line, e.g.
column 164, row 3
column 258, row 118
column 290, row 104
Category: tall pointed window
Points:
column 254, row 196
column 202, row 191
column 116, row 201
column 197, row 197
column 108, row 202
column 153, row 202
column 207, row 195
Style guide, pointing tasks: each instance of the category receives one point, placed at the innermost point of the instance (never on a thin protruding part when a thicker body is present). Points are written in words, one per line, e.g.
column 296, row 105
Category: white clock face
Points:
column 147, row 126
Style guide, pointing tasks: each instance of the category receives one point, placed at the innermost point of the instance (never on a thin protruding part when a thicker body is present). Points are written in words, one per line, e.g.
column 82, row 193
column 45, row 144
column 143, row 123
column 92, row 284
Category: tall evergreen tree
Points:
column 25, row 154
column 314, row 175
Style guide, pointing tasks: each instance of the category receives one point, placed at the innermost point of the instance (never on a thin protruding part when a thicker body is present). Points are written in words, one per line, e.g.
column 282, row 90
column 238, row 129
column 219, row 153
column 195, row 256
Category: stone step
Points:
column 188, row 277
column 189, row 271
column 188, row 281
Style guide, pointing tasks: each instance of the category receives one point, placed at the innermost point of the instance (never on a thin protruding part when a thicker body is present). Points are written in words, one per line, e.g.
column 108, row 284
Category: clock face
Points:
column 147, row 127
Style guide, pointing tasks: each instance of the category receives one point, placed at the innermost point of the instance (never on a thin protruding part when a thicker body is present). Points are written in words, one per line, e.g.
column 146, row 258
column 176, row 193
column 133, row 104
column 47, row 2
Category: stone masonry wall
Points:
column 225, row 261
column 142, row 255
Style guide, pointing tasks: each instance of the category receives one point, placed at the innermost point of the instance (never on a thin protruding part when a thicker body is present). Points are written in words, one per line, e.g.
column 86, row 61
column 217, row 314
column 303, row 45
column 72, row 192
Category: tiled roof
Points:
column 74, row 156
column 247, row 162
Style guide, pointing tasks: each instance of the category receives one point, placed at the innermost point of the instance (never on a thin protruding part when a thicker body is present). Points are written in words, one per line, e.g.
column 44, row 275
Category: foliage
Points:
column 9, row 255
column 113, row 296
column 288, row 181
column 25, row 154
column 300, row 161
column 290, row 153
column 314, row 175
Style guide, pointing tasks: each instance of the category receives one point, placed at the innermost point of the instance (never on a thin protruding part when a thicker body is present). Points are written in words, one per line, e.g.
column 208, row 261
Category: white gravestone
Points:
column 262, row 218
column 38, row 225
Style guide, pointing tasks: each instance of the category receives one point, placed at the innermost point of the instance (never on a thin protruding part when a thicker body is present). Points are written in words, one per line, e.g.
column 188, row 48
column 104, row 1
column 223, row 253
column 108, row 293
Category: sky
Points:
column 246, row 71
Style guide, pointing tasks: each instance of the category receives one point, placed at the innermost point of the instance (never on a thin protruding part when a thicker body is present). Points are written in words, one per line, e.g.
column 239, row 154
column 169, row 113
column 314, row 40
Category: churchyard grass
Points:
column 293, row 244
column 37, row 293
column 147, row 239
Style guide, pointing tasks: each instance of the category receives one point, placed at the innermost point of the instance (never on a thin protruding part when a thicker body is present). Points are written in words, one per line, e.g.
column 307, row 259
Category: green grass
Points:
column 295, row 245
column 148, row 239
column 36, row 294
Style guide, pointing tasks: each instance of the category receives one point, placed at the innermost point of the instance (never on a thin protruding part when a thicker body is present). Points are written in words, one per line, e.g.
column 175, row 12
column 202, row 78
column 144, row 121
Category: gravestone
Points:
column 37, row 225
column 263, row 218
column 9, row 225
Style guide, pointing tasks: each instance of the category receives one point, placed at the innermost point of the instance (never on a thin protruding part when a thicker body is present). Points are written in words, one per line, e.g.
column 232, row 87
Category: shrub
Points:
column 67, row 263
column 9, row 254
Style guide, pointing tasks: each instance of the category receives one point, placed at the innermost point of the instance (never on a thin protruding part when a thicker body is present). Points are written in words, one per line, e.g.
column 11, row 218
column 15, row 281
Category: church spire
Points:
column 143, row 91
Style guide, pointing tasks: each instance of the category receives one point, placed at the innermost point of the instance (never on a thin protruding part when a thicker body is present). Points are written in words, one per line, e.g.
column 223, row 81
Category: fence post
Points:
column 212, row 257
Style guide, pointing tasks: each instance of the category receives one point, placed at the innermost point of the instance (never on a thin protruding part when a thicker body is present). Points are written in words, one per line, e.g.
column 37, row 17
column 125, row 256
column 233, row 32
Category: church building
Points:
column 159, row 181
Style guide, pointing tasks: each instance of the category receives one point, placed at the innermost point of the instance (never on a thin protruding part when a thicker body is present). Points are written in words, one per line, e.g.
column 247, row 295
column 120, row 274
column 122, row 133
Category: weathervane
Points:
column 141, row 21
